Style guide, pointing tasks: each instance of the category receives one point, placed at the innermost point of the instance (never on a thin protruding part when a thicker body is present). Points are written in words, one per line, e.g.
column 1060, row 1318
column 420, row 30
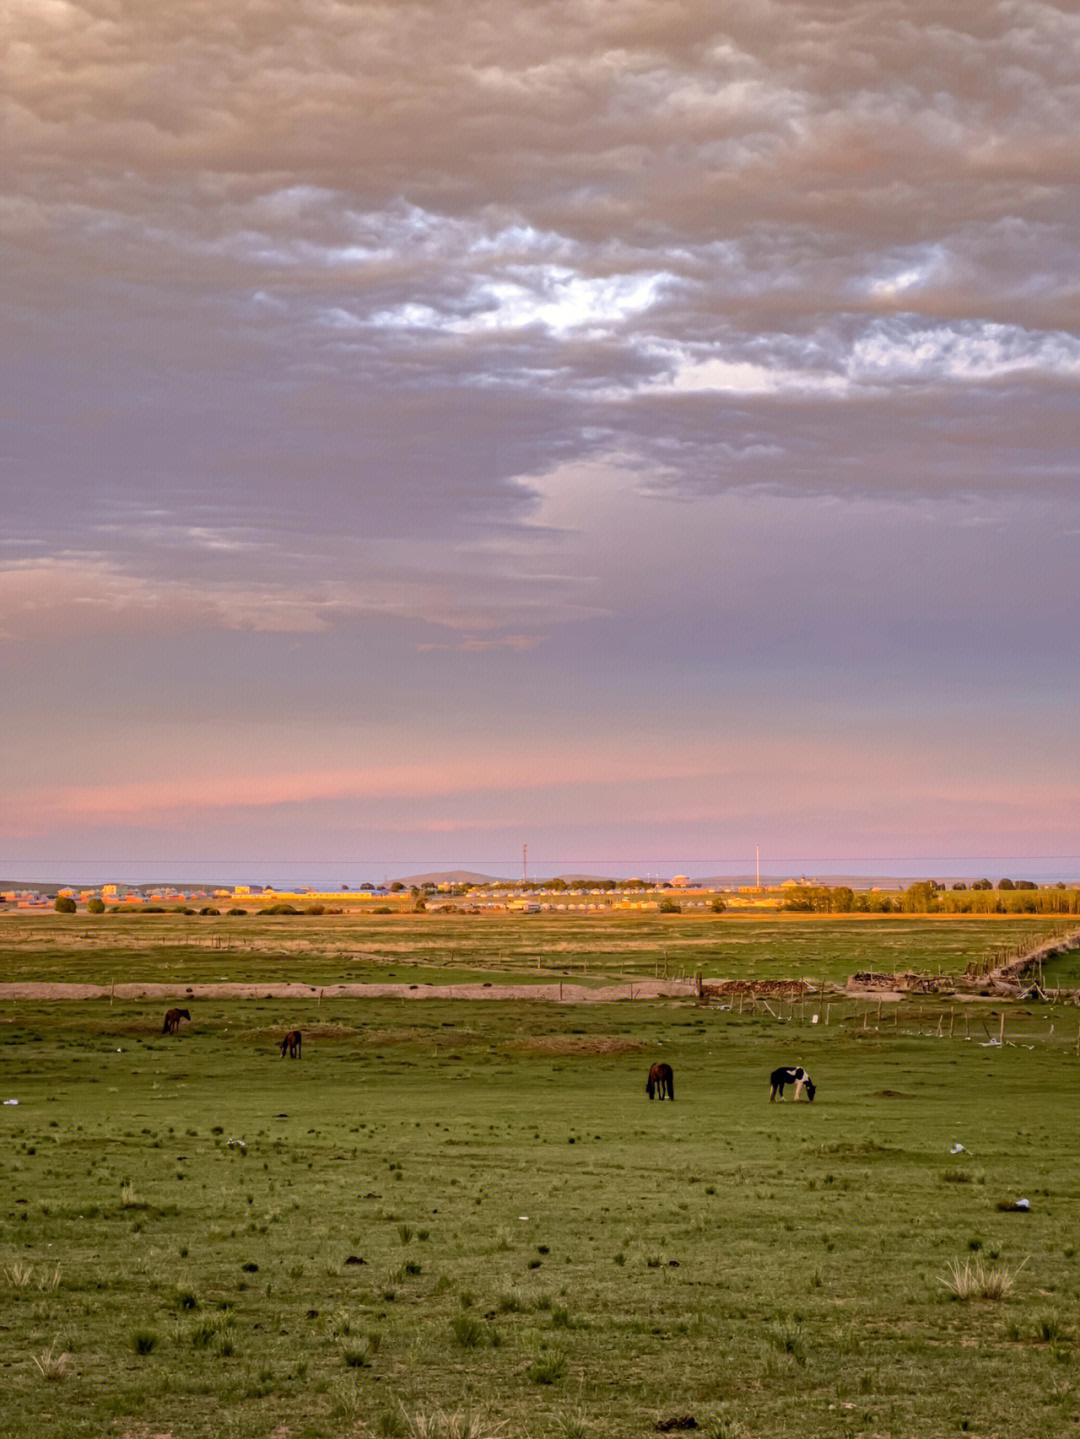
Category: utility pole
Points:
column 524, row 863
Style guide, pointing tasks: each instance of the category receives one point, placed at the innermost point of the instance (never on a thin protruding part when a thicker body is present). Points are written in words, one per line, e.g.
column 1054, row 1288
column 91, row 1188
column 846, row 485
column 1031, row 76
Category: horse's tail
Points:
column 649, row 1085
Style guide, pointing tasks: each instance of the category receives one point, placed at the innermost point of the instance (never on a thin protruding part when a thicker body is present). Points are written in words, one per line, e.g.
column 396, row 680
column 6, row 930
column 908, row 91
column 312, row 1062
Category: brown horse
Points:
column 661, row 1079
column 172, row 1020
column 291, row 1044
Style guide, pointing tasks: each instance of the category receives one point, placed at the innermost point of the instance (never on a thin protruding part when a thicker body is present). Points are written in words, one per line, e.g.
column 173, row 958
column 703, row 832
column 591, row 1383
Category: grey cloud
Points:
column 309, row 274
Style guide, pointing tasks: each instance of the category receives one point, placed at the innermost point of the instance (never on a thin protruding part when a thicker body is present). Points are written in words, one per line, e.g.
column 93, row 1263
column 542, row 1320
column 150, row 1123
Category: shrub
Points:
column 95, row 906
column 64, row 904
column 236, row 910
column 209, row 909
column 143, row 1341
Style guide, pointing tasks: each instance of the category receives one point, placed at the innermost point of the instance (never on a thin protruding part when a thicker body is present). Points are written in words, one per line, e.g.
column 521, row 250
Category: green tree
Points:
column 919, row 898
column 95, row 906
column 64, row 904
column 1005, row 884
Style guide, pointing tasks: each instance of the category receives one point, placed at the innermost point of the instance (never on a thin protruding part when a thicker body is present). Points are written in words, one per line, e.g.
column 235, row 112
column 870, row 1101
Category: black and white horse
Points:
column 793, row 1074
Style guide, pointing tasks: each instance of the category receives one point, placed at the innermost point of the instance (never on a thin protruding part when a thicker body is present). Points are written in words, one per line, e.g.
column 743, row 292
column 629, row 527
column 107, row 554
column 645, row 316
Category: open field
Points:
column 541, row 1246
column 437, row 949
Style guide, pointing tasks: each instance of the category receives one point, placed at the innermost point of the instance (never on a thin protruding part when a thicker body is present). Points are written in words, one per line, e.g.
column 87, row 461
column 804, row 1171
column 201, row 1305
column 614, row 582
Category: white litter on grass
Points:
column 991, row 1044
column 237, row 1144
column 523, row 1216
column 1022, row 1204
column 11, row 1101
column 957, row 1149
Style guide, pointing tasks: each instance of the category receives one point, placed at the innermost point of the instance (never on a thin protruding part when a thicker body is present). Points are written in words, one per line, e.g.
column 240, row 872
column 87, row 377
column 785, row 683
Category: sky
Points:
column 640, row 430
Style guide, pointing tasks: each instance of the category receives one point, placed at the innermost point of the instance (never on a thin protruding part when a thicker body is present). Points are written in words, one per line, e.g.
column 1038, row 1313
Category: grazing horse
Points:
column 172, row 1020
column 661, row 1081
column 793, row 1074
column 291, row 1044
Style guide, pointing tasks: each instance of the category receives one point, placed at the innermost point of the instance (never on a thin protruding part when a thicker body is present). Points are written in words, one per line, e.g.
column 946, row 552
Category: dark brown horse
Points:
column 661, row 1082
column 172, row 1020
column 291, row 1044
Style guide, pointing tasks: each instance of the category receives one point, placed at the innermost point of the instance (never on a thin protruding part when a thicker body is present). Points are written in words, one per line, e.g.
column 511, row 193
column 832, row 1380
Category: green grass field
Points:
column 435, row 948
column 544, row 1251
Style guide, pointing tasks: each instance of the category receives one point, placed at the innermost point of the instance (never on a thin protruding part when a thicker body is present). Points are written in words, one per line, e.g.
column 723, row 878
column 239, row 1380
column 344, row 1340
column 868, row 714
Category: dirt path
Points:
column 559, row 993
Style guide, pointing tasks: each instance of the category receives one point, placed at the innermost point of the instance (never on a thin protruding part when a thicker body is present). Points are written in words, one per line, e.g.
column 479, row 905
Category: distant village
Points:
column 523, row 896
column 453, row 894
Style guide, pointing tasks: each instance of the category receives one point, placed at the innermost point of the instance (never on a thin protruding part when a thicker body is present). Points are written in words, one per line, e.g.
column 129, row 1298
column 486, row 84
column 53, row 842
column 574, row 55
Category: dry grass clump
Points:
column 51, row 1366
column 444, row 1424
column 973, row 1279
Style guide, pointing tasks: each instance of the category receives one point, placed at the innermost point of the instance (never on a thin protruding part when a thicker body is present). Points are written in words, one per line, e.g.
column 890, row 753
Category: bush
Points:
column 315, row 909
column 669, row 906
column 236, row 910
column 209, row 909
column 64, row 904
column 95, row 906
column 282, row 908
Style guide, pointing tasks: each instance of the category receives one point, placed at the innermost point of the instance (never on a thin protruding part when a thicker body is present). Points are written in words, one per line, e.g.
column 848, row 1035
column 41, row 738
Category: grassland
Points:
column 543, row 1249
column 440, row 949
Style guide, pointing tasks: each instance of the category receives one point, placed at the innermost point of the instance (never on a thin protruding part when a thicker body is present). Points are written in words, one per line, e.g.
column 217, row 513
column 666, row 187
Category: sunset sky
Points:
column 638, row 429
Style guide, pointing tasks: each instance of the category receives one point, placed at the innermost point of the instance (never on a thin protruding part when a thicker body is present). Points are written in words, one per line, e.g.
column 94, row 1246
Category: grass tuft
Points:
column 51, row 1366
column 468, row 1332
column 444, row 1424
column 546, row 1368
column 973, row 1279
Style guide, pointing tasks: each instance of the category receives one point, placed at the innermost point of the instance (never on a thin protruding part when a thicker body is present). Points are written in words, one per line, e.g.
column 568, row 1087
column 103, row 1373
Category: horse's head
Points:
column 811, row 1089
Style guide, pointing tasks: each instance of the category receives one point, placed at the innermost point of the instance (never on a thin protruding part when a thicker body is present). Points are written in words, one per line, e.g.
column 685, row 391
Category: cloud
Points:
column 420, row 343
